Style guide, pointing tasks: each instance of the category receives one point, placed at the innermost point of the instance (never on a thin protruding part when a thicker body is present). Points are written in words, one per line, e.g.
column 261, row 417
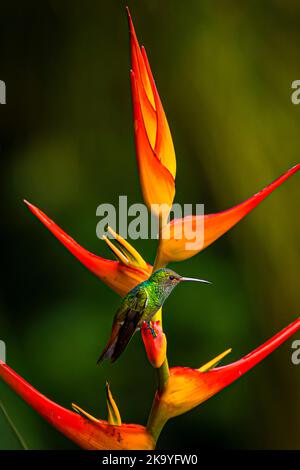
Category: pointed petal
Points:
column 138, row 65
column 153, row 138
column 164, row 146
column 114, row 416
column 116, row 251
column 132, row 255
column 116, row 275
column 86, row 432
column 180, row 232
column 209, row 365
column 157, row 183
column 83, row 413
column 144, row 88
column 187, row 388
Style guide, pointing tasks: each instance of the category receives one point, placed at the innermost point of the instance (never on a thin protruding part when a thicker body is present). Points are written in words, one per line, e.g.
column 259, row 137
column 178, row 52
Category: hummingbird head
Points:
column 164, row 280
column 169, row 279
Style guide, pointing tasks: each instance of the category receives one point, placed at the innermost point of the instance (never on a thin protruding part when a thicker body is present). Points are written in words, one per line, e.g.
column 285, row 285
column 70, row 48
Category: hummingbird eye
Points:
column 172, row 278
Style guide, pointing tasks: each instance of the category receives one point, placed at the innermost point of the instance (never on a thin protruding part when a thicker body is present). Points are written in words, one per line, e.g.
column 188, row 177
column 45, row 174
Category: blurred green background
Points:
column 224, row 72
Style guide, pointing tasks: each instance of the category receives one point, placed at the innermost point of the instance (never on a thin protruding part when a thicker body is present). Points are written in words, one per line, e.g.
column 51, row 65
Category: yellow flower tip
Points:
column 116, row 251
column 114, row 416
column 84, row 413
column 209, row 365
column 112, row 232
column 124, row 251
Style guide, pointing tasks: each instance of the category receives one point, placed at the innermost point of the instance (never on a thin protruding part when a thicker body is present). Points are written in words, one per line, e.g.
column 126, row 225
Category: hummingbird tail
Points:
column 107, row 353
column 109, row 348
column 126, row 333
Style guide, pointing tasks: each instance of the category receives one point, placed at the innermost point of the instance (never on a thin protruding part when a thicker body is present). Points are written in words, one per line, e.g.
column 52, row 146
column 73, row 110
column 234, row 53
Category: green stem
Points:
column 13, row 427
column 156, row 420
column 163, row 374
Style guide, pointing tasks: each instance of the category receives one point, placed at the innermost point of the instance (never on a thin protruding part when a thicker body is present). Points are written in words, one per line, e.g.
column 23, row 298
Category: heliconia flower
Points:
column 86, row 431
column 122, row 275
column 180, row 234
column 187, row 388
column 155, row 343
column 154, row 146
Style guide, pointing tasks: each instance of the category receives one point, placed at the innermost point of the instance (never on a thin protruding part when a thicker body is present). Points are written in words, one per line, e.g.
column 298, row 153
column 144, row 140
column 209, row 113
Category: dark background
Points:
column 224, row 72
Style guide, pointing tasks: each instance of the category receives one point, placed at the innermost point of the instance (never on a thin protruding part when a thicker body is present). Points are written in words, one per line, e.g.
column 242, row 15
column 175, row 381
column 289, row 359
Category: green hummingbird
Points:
column 138, row 306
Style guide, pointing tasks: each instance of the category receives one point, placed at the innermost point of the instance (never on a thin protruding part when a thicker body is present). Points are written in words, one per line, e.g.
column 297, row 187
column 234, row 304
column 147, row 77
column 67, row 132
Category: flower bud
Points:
column 155, row 342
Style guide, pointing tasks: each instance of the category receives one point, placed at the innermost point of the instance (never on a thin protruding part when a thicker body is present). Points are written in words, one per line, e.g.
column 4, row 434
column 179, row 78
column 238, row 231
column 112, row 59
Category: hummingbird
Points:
column 139, row 306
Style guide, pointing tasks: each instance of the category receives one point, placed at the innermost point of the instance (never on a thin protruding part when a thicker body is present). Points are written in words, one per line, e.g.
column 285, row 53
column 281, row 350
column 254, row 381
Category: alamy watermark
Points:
column 295, row 358
column 134, row 221
column 295, row 96
column 2, row 351
column 2, row 92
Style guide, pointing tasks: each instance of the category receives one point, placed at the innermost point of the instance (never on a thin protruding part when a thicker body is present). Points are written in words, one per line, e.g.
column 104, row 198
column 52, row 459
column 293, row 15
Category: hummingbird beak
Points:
column 194, row 279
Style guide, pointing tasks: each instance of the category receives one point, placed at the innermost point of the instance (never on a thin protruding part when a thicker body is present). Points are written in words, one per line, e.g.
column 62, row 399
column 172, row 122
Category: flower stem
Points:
column 13, row 427
column 156, row 420
column 163, row 374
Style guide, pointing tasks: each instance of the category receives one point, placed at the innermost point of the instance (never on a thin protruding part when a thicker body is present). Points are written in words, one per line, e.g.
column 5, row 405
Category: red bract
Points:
column 88, row 433
column 118, row 275
column 155, row 343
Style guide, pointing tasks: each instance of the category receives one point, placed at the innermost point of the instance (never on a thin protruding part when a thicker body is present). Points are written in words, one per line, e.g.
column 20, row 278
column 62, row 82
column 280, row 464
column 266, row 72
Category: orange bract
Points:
column 154, row 146
column 174, row 243
column 188, row 388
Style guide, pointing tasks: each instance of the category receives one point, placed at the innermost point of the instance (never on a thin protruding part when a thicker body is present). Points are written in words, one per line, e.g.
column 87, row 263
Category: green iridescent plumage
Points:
column 139, row 306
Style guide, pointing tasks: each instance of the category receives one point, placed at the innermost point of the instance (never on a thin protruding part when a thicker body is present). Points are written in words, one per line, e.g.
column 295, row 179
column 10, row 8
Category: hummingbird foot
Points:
column 149, row 327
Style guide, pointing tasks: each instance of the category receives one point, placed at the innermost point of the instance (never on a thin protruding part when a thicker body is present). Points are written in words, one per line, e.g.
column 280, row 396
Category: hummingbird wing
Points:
column 133, row 317
column 125, row 323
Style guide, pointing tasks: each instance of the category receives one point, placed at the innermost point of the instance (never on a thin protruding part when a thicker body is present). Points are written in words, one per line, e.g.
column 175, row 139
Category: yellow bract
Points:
column 124, row 251
column 209, row 365
column 114, row 416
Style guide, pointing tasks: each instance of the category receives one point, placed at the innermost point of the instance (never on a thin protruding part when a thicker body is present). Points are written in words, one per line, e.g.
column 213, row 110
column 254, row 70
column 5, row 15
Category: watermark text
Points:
column 295, row 358
column 135, row 221
column 2, row 92
column 2, row 351
column 295, row 96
